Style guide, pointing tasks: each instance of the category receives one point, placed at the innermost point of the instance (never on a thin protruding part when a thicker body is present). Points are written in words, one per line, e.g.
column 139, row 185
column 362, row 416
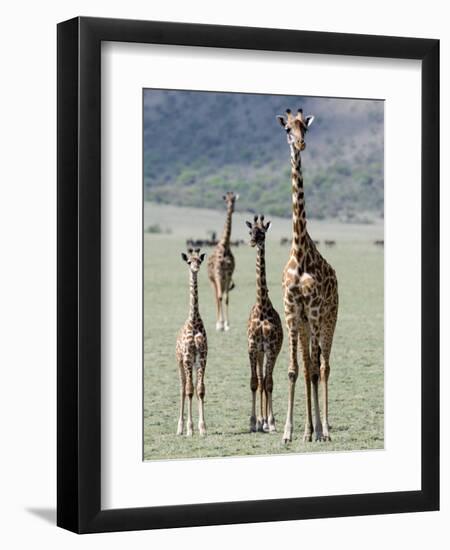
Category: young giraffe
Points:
column 192, row 350
column 265, row 335
column 310, row 297
column 221, row 267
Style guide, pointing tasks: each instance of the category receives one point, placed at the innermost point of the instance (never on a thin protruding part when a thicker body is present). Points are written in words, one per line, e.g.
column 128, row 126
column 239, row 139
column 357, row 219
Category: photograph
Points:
column 263, row 274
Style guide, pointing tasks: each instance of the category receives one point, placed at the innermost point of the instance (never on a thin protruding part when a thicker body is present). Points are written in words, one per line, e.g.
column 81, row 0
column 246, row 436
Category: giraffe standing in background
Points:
column 192, row 350
column 221, row 267
column 265, row 335
column 310, row 297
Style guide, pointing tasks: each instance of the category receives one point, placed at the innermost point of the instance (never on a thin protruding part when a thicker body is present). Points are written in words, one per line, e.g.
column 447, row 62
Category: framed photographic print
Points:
column 248, row 288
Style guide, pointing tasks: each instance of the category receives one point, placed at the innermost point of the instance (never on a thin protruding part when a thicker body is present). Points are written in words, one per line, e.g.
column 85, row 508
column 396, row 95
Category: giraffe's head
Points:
column 258, row 230
column 230, row 198
column 193, row 258
column 295, row 127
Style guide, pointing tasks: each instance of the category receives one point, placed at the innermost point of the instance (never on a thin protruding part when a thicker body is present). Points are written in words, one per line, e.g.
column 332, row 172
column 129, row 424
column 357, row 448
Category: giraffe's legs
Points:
column 326, row 340
column 219, row 298
column 189, row 389
column 253, row 386
column 304, row 346
column 262, row 394
column 292, row 323
column 324, row 375
column 216, row 297
column 315, row 371
column 269, row 425
column 201, row 396
column 182, row 396
column 226, row 318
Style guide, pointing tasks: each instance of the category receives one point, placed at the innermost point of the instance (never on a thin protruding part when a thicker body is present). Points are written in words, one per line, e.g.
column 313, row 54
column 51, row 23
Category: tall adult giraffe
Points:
column 310, row 297
column 221, row 266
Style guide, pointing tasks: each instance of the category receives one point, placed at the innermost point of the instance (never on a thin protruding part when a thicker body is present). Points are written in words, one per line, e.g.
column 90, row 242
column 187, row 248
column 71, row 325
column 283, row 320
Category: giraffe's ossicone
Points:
column 192, row 350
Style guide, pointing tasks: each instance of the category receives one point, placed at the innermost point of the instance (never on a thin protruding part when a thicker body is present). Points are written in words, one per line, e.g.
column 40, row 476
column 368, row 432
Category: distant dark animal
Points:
column 213, row 240
column 330, row 243
column 238, row 242
column 284, row 241
column 379, row 242
column 195, row 243
column 210, row 243
column 200, row 243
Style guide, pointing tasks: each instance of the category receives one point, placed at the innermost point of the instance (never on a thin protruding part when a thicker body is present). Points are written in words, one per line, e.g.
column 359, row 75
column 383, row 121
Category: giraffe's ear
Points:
column 224, row 197
column 309, row 120
column 281, row 120
column 248, row 224
column 236, row 197
column 184, row 257
column 202, row 257
column 267, row 226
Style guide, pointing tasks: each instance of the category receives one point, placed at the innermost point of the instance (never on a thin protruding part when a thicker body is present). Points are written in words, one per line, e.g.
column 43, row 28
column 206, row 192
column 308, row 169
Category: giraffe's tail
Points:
column 232, row 285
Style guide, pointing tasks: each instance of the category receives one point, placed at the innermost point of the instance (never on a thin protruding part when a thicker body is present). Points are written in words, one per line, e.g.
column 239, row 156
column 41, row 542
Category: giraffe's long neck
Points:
column 262, row 292
column 193, row 297
column 225, row 239
column 298, row 207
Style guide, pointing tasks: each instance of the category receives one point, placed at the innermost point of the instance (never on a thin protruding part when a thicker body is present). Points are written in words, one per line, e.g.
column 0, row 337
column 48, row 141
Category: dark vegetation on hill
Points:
column 197, row 145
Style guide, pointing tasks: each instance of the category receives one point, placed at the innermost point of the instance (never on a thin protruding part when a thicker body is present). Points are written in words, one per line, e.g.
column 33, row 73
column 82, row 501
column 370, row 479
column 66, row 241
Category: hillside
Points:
column 199, row 144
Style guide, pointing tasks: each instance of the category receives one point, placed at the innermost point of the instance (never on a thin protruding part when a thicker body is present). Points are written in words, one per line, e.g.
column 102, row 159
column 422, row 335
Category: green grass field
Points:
column 356, row 380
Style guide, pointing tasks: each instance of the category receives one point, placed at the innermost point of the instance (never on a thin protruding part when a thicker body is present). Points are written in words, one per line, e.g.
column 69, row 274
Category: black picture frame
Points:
column 79, row 280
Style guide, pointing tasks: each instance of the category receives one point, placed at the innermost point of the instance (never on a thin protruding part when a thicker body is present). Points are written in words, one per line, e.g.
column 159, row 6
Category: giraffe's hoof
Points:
column 259, row 425
column 272, row 428
column 219, row 326
column 307, row 437
column 253, row 424
column 326, row 437
column 287, row 437
column 180, row 428
column 319, row 437
column 265, row 427
column 226, row 328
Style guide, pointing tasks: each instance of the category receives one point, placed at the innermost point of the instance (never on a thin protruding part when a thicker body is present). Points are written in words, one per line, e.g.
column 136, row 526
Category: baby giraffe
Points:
column 192, row 350
column 264, row 334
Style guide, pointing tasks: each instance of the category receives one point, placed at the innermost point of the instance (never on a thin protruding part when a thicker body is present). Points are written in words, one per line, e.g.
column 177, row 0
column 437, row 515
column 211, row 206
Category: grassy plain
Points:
column 357, row 361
